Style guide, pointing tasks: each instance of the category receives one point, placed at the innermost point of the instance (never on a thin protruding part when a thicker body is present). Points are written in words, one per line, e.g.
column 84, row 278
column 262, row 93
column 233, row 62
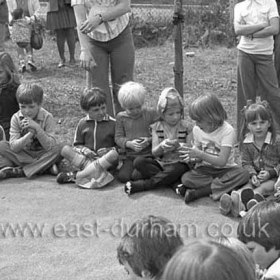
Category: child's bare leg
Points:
column 265, row 188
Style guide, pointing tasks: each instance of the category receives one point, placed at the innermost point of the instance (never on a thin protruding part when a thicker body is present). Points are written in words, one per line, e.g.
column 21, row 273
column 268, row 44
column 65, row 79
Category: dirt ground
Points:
column 51, row 231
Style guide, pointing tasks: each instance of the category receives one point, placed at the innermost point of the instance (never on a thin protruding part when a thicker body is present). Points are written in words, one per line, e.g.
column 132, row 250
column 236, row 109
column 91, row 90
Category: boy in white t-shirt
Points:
column 256, row 21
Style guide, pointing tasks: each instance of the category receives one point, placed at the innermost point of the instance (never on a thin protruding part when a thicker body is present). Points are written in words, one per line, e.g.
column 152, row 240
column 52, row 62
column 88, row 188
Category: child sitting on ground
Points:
column 205, row 260
column 94, row 147
column 147, row 246
column 32, row 148
column 165, row 168
column 21, row 34
column 215, row 172
column 260, row 156
column 9, row 82
column 133, row 128
column 259, row 230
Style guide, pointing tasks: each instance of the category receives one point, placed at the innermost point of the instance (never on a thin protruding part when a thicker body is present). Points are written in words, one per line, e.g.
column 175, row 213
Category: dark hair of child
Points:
column 92, row 97
column 252, row 112
column 17, row 13
column 261, row 225
column 9, row 67
column 148, row 245
column 205, row 259
column 28, row 93
column 208, row 107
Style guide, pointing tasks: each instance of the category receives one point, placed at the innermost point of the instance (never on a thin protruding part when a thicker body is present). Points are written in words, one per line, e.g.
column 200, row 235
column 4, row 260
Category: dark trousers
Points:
column 156, row 176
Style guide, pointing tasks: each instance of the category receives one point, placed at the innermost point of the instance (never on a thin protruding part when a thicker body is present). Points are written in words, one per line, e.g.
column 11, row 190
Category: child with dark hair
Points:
column 32, row 148
column 147, row 246
column 93, row 151
column 207, row 260
column 21, row 34
column 260, row 156
column 9, row 82
column 215, row 172
column 259, row 230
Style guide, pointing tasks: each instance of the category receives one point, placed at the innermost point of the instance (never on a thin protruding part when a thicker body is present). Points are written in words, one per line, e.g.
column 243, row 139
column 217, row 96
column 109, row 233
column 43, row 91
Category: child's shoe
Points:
column 22, row 66
column 237, row 205
column 225, row 204
column 190, row 196
column 251, row 203
column 61, row 63
column 181, row 190
column 246, row 195
column 32, row 66
column 11, row 172
column 66, row 177
column 134, row 187
column 259, row 197
column 54, row 170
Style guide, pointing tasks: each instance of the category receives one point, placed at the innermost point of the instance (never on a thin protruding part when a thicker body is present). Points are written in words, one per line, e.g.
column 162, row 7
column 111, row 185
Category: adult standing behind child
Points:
column 215, row 172
column 61, row 19
column 9, row 82
column 256, row 22
column 165, row 167
column 94, row 149
column 32, row 148
column 133, row 128
column 30, row 9
column 106, row 45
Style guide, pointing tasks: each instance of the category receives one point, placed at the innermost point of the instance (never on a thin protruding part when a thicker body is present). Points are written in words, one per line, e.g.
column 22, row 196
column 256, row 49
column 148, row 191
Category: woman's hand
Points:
column 87, row 61
column 90, row 23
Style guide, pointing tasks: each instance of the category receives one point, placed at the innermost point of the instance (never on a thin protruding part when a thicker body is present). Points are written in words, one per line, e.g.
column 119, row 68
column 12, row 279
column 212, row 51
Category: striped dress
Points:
column 63, row 17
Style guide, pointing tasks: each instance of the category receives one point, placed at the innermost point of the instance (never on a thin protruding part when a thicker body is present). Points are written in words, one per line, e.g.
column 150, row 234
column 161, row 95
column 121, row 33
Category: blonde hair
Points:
column 131, row 93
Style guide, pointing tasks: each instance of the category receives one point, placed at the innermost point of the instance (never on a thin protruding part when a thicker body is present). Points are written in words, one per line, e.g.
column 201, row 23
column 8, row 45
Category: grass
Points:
column 210, row 70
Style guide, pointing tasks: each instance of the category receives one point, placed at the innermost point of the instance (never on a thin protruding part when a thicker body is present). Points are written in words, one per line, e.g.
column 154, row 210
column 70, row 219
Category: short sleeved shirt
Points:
column 255, row 12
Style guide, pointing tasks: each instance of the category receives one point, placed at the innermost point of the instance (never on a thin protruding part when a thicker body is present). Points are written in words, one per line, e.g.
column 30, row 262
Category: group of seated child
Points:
column 157, row 148
column 153, row 249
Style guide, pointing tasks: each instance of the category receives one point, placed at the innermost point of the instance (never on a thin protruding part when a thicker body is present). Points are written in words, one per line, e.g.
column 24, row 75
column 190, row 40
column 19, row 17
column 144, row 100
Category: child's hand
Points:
column 134, row 145
column 190, row 153
column 168, row 145
column 144, row 142
column 29, row 124
column 263, row 176
column 89, row 153
column 255, row 181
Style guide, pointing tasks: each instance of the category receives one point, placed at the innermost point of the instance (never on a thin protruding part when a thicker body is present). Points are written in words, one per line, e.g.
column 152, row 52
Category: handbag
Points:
column 37, row 31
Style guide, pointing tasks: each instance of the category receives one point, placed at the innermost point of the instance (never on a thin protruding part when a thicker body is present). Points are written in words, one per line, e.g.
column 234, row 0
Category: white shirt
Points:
column 251, row 12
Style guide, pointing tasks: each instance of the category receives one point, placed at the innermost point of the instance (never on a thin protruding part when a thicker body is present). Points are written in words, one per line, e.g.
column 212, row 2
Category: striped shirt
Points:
column 107, row 30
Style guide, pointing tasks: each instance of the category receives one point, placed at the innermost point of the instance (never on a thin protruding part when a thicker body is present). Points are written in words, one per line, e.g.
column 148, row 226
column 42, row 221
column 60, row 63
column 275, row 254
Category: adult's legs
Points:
column 2, row 36
column 60, row 41
column 269, row 84
column 277, row 56
column 246, row 83
column 71, row 42
column 122, row 58
column 99, row 76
